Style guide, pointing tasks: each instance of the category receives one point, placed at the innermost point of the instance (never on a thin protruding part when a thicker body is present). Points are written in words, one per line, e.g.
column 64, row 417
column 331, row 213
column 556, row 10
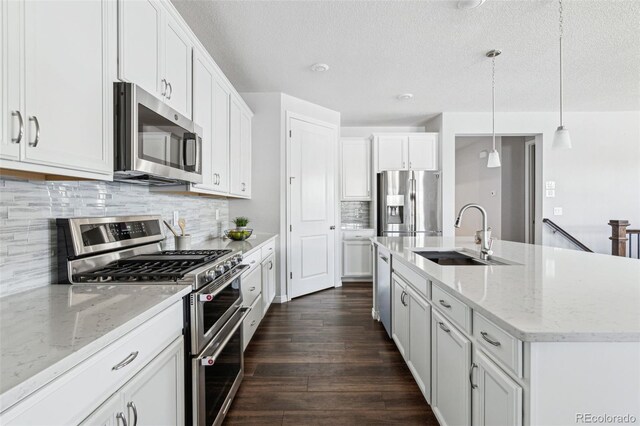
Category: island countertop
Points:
column 551, row 294
column 47, row 331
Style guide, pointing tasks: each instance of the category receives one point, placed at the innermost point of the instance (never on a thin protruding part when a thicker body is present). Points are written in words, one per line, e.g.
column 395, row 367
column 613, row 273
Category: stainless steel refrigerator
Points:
column 409, row 203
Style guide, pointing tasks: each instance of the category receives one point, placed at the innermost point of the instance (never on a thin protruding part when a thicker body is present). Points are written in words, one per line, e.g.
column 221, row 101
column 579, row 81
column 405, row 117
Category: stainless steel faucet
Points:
column 486, row 244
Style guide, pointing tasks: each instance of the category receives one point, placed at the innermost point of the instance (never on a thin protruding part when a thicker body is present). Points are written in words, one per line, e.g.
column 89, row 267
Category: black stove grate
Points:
column 168, row 265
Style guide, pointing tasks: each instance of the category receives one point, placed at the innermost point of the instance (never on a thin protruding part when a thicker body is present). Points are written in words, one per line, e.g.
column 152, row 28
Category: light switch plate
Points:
column 176, row 217
column 557, row 211
column 550, row 193
column 217, row 214
column 550, row 184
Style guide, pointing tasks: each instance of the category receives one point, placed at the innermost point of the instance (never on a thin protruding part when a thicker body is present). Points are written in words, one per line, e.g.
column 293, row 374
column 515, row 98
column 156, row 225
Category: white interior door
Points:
column 312, row 148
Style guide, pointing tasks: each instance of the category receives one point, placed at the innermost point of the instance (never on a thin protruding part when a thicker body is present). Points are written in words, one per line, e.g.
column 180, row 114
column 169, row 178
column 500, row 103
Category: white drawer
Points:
column 91, row 382
column 268, row 249
column 251, row 286
column 253, row 260
column 497, row 342
column 361, row 234
column 417, row 281
column 252, row 321
column 450, row 306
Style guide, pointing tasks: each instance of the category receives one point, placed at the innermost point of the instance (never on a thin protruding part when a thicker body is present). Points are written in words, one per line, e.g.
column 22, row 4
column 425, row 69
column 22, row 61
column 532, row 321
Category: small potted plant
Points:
column 240, row 232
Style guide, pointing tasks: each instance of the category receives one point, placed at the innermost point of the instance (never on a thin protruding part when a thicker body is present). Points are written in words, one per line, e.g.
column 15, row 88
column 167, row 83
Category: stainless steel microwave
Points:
column 154, row 144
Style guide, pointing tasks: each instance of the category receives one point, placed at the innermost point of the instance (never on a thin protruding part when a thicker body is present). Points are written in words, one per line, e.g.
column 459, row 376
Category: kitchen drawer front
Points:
column 498, row 343
column 417, row 281
column 362, row 234
column 252, row 321
column 453, row 308
column 253, row 260
column 268, row 248
column 251, row 286
column 90, row 383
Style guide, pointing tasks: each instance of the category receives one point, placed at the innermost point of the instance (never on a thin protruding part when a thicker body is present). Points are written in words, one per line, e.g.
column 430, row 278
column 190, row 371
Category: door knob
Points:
column 332, row 227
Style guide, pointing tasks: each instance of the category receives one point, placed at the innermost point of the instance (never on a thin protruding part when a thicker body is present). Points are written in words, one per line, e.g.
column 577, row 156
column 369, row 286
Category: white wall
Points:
column 366, row 131
column 476, row 183
column 597, row 180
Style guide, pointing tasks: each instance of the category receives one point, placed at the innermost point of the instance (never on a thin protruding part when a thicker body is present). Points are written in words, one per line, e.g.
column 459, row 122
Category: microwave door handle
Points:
column 188, row 139
column 211, row 359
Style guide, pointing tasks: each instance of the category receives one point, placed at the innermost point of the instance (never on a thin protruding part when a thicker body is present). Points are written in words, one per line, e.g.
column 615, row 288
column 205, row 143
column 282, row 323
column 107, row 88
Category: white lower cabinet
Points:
column 450, row 386
column 497, row 398
column 419, row 341
column 154, row 396
column 400, row 315
column 268, row 281
column 356, row 259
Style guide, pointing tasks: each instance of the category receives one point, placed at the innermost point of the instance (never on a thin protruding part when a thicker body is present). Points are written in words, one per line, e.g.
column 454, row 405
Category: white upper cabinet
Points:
column 423, row 152
column 155, row 52
column 412, row 151
column 245, row 144
column 203, row 84
column 240, row 149
column 220, row 146
column 64, row 121
column 355, row 155
column 139, row 49
column 392, row 152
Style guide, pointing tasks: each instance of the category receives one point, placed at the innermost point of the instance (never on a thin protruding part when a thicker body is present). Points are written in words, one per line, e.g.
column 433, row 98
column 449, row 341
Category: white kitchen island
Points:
column 552, row 338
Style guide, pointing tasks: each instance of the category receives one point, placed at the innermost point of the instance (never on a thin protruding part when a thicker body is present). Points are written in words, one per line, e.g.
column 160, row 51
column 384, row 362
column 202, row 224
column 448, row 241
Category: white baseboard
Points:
column 280, row 299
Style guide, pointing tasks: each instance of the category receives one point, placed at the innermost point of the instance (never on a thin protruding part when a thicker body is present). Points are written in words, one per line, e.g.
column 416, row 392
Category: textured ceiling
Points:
column 379, row 49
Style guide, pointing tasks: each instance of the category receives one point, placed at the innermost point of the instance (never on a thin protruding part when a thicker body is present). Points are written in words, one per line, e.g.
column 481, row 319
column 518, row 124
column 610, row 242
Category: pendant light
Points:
column 561, row 138
column 494, row 157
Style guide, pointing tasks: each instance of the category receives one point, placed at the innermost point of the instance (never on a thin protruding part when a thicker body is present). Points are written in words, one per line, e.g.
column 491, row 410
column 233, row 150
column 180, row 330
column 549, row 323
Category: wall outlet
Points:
column 550, row 184
column 557, row 211
column 176, row 217
column 217, row 214
column 550, row 193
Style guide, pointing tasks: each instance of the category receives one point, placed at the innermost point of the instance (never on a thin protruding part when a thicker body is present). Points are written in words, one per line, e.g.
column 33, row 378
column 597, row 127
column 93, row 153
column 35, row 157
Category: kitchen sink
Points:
column 460, row 258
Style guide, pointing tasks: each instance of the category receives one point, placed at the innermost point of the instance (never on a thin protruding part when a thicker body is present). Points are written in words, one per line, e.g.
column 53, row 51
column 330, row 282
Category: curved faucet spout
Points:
column 486, row 244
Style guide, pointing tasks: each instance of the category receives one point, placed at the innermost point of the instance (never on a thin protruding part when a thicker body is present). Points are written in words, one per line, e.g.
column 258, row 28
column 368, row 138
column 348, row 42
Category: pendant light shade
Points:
column 561, row 138
column 493, row 160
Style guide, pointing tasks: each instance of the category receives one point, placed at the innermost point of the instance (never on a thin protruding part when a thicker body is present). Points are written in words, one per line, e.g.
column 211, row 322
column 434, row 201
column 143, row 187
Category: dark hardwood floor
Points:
column 321, row 359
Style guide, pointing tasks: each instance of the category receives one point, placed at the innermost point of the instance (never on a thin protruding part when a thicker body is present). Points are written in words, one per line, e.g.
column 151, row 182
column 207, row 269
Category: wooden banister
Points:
column 619, row 237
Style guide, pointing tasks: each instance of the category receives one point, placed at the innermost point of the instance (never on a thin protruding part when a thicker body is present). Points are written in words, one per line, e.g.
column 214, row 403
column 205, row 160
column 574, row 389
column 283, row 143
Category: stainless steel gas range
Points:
column 127, row 250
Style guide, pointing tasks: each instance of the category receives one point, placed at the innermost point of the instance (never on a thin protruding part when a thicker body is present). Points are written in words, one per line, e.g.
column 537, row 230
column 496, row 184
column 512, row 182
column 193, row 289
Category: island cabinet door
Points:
column 419, row 359
column 400, row 316
column 450, row 386
column 497, row 398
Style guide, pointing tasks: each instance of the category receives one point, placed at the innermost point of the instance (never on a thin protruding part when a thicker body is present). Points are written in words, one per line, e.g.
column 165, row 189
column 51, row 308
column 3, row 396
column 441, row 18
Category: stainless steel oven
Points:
column 154, row 144
column 217, row 372
column 213, row 305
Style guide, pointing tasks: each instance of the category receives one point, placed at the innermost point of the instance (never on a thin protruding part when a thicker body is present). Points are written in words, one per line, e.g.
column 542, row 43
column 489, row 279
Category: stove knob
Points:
column 227, row 265
column 238, row 259
column 211, row 275
column 219, row 270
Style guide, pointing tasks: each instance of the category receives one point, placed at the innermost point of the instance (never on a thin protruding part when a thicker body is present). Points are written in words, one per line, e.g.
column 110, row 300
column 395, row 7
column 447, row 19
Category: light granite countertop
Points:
column 247, row 246
column 553, row 294
column 49, row 330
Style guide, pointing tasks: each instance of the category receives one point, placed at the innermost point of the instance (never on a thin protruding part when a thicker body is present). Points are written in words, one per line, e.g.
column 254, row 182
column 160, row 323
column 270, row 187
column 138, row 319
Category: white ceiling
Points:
column 379, row 49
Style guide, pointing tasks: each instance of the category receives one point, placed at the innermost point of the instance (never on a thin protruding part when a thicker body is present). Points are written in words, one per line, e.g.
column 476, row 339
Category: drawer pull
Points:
column 485, row 335
column 444, row 327
column 135, row 412
column 253, row 323
column 120, row 416
column 125, row 362
column 253, row 261
column 473, row 365
column 252, row 288
column 445, row 304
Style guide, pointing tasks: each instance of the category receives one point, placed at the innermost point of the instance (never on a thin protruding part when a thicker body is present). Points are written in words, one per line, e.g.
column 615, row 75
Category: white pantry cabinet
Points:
column 451, row 360
column 154, row 396
column 58, row 107
column 240, row 149
column 355, row 156
column 155, row 52
column 497, row 398
column 400, row 315
column 410, row 151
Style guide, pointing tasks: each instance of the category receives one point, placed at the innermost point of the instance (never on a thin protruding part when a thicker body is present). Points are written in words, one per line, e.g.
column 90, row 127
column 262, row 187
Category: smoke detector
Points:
column 319, row 67
column 470, row 4
column 405, row 97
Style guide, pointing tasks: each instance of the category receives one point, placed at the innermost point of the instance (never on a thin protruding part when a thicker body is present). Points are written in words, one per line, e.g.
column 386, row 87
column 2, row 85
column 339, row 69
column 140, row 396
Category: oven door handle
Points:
column 208, row 297
column 210, row 360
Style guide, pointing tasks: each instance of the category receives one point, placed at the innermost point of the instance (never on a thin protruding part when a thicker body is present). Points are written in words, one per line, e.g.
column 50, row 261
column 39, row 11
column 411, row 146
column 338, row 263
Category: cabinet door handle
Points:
column 445, row 304
column 253, row 323
column 135, row 412
column 252, row 288
column 410, row 164
column 126, row 361
column 164, row 87
column 270, row 265
column 170, row 90
column 385, row 259
column 37, row 139
column 444, row 327
column 120, row 416
column 473, row 365
column 485, row 336
column 20, row 126
column 244, row 186
column 402, row 298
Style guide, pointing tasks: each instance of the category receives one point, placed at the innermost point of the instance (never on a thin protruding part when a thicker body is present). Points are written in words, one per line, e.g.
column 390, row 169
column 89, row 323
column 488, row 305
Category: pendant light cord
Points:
column 561, row 33
column 493, row 100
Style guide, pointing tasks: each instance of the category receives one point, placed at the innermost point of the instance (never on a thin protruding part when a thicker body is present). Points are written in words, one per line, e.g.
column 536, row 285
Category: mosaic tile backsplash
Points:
column 28, row 210
column 357, row 212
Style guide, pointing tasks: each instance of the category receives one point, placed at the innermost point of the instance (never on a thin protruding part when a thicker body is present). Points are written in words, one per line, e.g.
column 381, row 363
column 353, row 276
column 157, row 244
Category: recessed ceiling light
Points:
column 470, row 4
column 319, row 67
column 405, row 96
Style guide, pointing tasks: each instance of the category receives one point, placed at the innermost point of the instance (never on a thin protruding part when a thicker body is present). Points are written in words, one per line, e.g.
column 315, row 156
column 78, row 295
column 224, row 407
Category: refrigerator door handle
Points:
column 412, row 200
